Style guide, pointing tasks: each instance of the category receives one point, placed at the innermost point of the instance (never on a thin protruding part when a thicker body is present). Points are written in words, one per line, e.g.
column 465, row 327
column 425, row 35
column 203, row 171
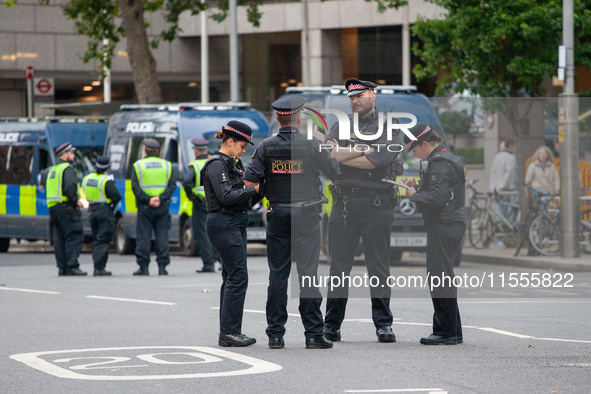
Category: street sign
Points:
column 43, row 87
column 29, row 72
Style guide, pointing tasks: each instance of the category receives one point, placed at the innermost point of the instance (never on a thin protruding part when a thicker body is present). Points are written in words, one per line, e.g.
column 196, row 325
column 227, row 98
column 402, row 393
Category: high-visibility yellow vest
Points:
column 54, row 185
column 198, row 165
column 153, row 174
column 94, row 188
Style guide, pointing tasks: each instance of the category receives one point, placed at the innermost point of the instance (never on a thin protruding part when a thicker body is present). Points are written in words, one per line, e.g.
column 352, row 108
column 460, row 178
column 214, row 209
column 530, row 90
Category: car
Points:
column 408, row 229
column 173, row 126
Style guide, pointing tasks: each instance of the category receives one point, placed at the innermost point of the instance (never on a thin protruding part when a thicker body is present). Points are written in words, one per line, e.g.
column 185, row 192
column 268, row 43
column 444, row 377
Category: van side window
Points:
column 17, row 164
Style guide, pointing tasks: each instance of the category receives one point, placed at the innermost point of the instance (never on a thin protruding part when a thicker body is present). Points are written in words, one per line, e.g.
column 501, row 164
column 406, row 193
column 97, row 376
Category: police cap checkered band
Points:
column 356, row 86
column 238, row 130
column 420, row 131
column 63, row 148
column 288, row 105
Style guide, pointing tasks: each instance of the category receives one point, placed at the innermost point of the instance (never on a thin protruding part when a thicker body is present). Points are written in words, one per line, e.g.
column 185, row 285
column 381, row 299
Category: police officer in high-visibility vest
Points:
column 152, row 183
column 289, row 164
column 103, row 196
column 440, row 197
column 196, row 193
column 64, row 211
column 228, row 202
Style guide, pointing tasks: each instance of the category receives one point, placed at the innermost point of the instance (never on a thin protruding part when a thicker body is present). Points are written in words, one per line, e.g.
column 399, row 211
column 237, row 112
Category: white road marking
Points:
column 502, row 332
column 130, row 300
column 211, row 284
column 256, row 311
column 28, row 290
column 438, row 391
column 563, row 340
column 35, row 360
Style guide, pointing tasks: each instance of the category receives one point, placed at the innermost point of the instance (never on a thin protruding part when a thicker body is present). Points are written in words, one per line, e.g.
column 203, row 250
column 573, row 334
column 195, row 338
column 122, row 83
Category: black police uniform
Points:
column 102, row 223
column 362, row 208
column 66, row 226
column 152, row 219
column 440, row 198
column 228, row 202
column 290, row 165
column 204, row 247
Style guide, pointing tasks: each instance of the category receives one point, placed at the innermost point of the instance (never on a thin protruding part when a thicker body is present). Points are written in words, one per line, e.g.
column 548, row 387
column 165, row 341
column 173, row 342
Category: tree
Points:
column 108, row 21
column 499, row 48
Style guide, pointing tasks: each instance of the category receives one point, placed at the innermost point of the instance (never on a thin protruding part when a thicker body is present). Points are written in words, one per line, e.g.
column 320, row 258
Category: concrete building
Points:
column 345, row 38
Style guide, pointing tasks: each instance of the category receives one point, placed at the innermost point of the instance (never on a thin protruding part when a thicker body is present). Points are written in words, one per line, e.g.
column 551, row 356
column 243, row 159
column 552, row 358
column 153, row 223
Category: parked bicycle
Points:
column 544, row 232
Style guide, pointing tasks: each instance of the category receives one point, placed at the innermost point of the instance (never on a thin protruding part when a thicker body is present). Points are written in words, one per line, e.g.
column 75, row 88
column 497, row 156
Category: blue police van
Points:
column 408, row 229
column 27, row 148
column 173, row 126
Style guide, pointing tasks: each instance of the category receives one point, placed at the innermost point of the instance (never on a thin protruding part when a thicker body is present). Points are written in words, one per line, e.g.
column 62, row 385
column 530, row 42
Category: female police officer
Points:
column 227, row 203
column 440, row 197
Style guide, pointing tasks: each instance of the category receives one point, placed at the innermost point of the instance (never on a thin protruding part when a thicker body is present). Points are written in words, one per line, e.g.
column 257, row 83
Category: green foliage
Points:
column 498, row 47
column 455, row 122
column 471, row 155
column 383, row 5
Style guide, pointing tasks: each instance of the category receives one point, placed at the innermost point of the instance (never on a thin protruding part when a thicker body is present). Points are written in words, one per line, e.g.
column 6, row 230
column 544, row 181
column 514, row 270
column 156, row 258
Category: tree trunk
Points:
column 143, row 65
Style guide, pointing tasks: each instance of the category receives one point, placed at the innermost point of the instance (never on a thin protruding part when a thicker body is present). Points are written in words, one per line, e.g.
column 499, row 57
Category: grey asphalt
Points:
column 157, row 334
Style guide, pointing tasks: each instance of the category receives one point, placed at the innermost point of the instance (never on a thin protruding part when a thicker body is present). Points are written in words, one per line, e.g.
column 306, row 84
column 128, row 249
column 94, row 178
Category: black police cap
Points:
column 356, row 86
column 63, row 148
column 238, row 130
column 421, row 131
column 200, row 143
column 151, row 143
column 102, row 163
column 288, row 105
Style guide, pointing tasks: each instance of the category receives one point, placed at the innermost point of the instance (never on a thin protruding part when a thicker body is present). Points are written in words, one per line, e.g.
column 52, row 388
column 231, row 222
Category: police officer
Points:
column 64, row 212
column 362, row 208
column 290, row 165
column 103, row 196
column 195, row 192
column 228, row 202
column 440, row 198
column 152, row 183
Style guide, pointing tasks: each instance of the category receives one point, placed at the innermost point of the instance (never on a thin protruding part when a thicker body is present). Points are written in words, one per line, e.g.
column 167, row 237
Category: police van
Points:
column 408, row 230
column 26, row 148
column 173, row 126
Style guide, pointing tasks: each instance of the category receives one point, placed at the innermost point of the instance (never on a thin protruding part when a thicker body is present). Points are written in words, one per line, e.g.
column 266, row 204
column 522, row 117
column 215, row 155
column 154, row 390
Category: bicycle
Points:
column 544, row 232
column 485, row 222
column 539, row 203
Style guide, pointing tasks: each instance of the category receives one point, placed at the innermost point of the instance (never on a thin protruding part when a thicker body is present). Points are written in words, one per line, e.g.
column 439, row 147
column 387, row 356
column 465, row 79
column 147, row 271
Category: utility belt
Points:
column 350, row 191
column 300, row 204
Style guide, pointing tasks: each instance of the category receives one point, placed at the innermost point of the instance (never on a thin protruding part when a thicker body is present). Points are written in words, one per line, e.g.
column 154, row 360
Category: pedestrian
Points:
column 64, row 211
column 228, row 202
column 362, row 208
column 290, row 165
column 541, row 174
column 196, row 194
column 152, row 183
column 440, row 197
column 502, row 182
column 103, row 196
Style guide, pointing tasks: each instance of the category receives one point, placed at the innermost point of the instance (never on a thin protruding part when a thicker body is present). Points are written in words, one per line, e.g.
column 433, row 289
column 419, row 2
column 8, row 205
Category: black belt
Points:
column 287, row 204
column 229, row 211
column 358, row 191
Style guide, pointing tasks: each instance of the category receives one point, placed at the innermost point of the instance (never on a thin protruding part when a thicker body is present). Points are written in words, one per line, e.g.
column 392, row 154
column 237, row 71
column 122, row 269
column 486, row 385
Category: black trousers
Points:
column 150, row 220
column 227, row 233
column 443, row 245
column 204, row 247
column 102, row 223
column 368, row 217
column 67, row 235
column 293, row 235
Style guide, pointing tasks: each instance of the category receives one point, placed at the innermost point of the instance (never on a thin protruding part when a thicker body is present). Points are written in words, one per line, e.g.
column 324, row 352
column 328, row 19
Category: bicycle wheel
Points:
column 544, row 234
column 479, row 229
column 585, row 232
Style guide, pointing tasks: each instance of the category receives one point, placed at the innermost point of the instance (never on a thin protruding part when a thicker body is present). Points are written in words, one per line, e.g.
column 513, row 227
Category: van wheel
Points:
column 4, row 244
column 188, row 244
column 123, row 243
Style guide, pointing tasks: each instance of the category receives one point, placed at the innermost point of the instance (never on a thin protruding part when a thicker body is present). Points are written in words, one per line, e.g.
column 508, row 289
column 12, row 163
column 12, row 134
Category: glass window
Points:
column 136, row 152
column 16, row 168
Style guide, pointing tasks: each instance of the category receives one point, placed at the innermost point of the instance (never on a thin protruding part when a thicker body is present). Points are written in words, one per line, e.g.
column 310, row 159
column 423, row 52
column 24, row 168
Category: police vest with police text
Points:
column 54, row 185
column 291, row 172
column 94, row 188
column 153, row 174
